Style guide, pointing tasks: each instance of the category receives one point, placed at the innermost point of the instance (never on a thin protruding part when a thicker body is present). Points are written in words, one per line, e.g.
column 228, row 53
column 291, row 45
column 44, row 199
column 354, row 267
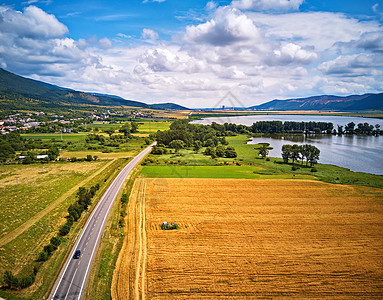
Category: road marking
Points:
column 71, row 283
column 118, row 182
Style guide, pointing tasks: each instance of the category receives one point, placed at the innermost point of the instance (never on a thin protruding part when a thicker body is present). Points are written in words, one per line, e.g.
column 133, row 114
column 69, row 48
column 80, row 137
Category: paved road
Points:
column 73, row 278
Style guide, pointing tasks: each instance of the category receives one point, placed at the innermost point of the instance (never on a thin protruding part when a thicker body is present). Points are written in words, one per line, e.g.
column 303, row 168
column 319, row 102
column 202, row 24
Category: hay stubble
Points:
column 263, row 238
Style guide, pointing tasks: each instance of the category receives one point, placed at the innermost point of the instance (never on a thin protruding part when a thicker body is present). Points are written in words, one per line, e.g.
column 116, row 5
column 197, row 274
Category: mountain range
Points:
column 327, row 103
column 19, row 93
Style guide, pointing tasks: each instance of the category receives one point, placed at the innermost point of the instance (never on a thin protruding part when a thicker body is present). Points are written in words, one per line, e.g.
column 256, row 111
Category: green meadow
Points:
column 246, row 172
column 66, row 137
column 248, row 164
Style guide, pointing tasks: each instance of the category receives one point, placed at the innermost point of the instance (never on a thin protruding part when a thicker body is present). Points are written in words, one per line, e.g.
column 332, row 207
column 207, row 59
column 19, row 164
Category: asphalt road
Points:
column 72, row 281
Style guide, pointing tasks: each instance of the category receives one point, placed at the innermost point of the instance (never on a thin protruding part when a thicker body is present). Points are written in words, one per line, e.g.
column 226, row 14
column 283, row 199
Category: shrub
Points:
column 49, row 248
column 314, row 170
column 64, row 229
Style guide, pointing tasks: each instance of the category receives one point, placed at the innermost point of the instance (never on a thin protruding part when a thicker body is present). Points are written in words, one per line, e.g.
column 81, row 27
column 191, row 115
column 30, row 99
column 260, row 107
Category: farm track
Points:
column 25, row 226
column 129, row 277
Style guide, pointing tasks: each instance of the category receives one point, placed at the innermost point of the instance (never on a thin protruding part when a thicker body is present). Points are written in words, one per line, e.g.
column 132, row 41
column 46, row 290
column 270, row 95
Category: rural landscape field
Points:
column 251, row 238
column 196, row 149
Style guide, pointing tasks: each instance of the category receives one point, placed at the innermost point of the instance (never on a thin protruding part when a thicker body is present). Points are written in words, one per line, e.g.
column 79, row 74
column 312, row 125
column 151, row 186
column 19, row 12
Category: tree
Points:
column 125, row 129
column 220, row 151
column 177, row 144
column 286, row 153
column 53, row 152
column 313, row 155
column 263, row 151
column 349, row 128
column 230, row 152
column 109, row 131
column 305, row 152
column 295, row 151
column 197, row 145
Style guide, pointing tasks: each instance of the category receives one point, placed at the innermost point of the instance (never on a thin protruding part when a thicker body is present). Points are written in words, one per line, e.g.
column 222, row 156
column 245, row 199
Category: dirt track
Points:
column 129, row 275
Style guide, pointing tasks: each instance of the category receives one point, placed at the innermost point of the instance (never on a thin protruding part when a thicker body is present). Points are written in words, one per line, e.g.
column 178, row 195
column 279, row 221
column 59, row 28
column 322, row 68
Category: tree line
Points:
column 84, row 198
column 182, row 134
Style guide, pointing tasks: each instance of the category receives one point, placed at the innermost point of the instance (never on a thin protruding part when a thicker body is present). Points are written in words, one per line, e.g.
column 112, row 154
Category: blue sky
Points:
column 194, row 52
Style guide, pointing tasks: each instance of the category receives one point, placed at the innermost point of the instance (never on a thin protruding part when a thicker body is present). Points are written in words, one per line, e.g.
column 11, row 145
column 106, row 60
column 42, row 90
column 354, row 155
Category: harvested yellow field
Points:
column 251, row 239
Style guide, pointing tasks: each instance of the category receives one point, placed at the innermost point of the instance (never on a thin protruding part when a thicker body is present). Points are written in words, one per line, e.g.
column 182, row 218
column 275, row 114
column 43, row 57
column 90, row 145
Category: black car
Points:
column 77, row 254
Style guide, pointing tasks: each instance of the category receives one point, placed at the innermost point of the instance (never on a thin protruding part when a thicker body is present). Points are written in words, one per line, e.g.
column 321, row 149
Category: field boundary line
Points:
column 25, row 226
column 144, row 242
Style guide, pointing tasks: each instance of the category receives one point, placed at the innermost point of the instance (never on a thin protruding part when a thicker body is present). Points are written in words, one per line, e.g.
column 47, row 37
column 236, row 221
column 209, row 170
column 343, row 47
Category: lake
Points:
column 357, row 153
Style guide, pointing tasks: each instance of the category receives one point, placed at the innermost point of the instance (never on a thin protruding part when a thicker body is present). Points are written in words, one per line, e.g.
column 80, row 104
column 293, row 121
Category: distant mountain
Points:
column 326, row 102
column 171, row 106
column 18, row 93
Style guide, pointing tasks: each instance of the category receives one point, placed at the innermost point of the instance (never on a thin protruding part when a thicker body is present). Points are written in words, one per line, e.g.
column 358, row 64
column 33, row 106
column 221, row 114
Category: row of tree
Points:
column 84, row 199
column 296, row 152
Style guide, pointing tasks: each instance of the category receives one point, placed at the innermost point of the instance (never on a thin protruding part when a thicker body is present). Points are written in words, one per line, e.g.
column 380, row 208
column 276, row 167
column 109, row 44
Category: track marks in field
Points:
column 129, row 279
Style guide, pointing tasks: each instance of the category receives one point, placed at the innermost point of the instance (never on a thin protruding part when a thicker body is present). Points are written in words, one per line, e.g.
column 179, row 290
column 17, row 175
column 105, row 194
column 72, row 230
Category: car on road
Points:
column 77, row 254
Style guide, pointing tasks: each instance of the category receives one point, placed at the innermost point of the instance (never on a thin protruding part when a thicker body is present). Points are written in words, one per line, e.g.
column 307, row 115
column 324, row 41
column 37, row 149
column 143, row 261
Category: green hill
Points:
column 19, row 93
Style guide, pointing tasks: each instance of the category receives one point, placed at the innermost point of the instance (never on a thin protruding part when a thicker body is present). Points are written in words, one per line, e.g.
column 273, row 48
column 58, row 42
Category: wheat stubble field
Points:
column 251, row 239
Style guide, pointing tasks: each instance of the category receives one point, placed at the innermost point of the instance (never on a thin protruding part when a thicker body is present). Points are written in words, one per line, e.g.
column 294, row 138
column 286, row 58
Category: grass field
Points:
column 25, row 190
column 153, row 126
column 67, row 137
column 32, row 208
column 249, row 172
column 251, row 239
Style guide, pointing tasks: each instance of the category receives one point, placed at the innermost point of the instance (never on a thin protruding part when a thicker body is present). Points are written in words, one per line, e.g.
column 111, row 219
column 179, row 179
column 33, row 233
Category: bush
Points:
column 314, row 170
column 267, row 158
column 294, row 168
column 64, row 229
column 49, row 248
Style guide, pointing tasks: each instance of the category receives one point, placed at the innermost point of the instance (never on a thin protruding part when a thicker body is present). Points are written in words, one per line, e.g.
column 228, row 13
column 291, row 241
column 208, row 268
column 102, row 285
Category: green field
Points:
column 26, row 194
column 246, row 172
column 67, row 137
column 153, row 126
column 250, row 162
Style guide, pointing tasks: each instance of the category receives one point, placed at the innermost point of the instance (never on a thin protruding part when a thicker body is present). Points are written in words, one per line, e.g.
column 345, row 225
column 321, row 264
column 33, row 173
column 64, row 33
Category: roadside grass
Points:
column 101, row 276
column 19, row 254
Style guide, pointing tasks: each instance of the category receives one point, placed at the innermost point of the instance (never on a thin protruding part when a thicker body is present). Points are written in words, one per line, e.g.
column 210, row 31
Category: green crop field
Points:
column 153, row 126
column 67, row 137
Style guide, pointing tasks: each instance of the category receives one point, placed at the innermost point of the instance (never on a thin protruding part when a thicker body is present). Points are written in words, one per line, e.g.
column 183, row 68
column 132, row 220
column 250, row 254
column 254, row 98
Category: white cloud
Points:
column 227, row 27
column 211, row 5
column 273, row 5
column 32, row 23
column 158, row 1
column 105, row 43
column 149, row 35
column 353, row 65
column 257, row 56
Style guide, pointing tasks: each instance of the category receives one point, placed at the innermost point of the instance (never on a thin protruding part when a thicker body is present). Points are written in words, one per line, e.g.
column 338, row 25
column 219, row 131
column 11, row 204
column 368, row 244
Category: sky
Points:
column 195, row 52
